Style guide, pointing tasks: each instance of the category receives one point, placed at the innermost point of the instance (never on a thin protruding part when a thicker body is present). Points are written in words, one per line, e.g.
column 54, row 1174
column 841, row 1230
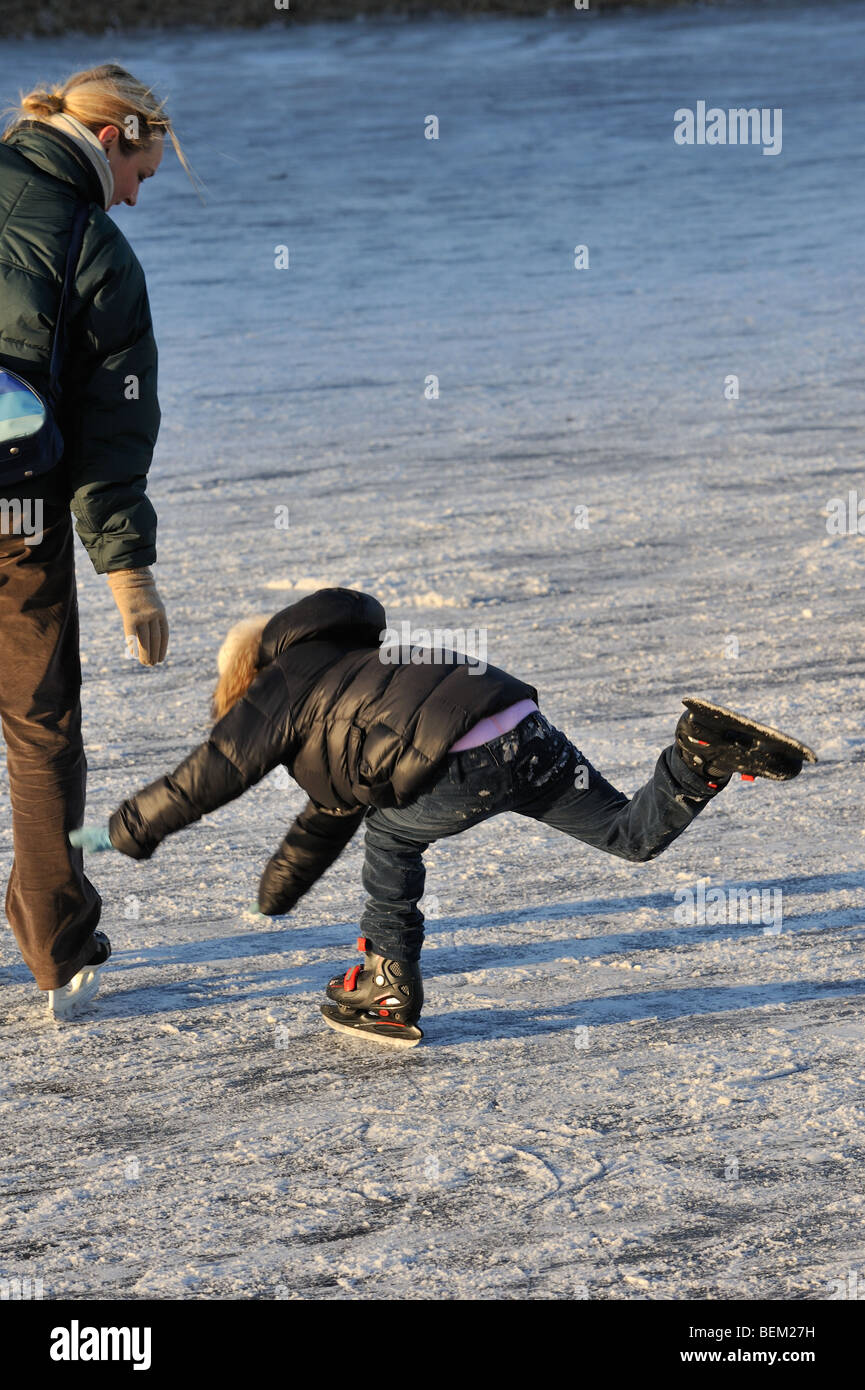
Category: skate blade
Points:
column 71, row 999
column 391, row 1040
column 794, row 745
column 774, row 773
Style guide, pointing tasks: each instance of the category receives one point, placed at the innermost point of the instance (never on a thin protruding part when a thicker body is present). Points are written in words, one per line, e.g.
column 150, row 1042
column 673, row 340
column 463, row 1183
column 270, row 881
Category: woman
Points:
column 95, row 138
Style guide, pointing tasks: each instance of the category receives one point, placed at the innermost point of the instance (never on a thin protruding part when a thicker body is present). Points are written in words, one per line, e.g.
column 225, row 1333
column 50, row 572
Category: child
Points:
column 420, row 750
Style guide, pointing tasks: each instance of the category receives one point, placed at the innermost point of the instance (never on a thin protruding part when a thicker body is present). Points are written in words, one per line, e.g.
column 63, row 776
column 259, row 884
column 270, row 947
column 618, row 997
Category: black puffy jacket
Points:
column 109, row 434
column 354, row 730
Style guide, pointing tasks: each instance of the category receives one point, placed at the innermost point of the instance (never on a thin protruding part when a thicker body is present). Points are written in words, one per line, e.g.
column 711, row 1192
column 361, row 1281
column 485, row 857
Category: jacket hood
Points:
column 57, row 154
column 347, row 615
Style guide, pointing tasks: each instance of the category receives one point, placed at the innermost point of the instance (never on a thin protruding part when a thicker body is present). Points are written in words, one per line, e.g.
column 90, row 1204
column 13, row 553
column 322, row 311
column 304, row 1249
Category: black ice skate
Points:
column 380, row 999
column 716, row 742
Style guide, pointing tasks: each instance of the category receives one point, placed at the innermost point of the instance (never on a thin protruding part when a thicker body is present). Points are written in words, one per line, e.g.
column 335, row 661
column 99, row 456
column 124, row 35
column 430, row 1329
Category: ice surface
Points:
column 594, row 1074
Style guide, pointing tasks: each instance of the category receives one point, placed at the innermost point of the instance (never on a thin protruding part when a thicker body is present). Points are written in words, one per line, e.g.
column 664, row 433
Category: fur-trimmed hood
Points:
column 340, row 615
column 238, row 663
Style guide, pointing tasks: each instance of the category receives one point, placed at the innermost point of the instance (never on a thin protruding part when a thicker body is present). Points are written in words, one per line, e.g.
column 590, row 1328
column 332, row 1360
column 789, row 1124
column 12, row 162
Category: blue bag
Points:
column 30, row 438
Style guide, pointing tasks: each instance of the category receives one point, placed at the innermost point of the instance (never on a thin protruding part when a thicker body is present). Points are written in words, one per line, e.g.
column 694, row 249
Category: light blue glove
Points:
column 93, row 838
column 253, row 910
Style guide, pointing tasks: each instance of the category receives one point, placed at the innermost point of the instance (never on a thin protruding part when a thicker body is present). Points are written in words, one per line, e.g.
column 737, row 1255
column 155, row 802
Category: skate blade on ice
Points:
column 395, row 1036
column 67, row 1002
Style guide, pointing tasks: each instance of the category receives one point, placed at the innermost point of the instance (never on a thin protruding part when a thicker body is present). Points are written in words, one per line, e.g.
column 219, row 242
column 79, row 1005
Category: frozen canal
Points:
column 609, row 1103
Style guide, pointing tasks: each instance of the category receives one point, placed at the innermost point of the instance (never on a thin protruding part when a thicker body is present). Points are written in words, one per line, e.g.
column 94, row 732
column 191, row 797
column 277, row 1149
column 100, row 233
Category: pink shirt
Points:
column 495, row 724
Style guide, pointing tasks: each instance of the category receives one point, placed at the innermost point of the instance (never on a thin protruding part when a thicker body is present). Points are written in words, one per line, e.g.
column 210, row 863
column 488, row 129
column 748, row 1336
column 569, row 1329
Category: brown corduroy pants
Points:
column 50, row 904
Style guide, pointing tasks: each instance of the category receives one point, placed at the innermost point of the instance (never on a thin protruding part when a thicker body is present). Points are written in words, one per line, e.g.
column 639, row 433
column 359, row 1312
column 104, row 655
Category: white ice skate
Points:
column 68, row 1001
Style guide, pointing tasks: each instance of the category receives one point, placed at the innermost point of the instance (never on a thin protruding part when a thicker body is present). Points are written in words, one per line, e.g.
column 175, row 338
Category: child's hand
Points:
column 93, row 838
column 252, row 910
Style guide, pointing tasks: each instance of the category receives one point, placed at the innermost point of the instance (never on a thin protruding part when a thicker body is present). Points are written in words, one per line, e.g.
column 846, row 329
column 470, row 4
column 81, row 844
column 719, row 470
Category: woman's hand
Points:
column 143, row 614
column 93, row 838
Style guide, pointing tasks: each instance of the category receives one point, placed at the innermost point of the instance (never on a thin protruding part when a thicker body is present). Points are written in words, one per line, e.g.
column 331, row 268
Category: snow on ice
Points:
column 609, row 1103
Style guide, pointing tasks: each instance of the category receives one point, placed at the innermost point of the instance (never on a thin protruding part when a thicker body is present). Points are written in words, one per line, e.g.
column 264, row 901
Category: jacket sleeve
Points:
column 253, row 738
column 317, row 837
column 112, row 419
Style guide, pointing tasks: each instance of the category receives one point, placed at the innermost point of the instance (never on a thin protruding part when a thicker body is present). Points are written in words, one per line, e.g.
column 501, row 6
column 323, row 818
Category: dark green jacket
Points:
column 109, row 433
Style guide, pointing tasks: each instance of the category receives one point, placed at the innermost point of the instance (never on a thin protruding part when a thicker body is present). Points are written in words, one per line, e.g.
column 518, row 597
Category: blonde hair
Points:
column 238, row 663
column 106, row 95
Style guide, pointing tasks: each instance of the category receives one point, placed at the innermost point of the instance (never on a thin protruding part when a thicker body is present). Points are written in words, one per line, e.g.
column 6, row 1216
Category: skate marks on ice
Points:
column 510, row 1167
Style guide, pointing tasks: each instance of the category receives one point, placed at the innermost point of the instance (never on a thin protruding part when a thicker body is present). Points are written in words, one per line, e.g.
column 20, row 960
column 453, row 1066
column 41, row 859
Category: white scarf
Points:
column 90, row 146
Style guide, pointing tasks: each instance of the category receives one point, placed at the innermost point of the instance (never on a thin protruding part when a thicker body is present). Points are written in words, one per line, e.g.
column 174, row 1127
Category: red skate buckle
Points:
column 361, row 943
column 350, row 978
column 746, row 777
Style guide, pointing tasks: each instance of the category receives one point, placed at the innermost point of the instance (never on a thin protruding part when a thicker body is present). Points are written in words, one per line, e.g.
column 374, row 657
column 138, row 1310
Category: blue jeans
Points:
column 536, row 771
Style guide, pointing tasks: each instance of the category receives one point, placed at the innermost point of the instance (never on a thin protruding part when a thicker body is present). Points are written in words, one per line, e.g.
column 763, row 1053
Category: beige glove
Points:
column 143, row 614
